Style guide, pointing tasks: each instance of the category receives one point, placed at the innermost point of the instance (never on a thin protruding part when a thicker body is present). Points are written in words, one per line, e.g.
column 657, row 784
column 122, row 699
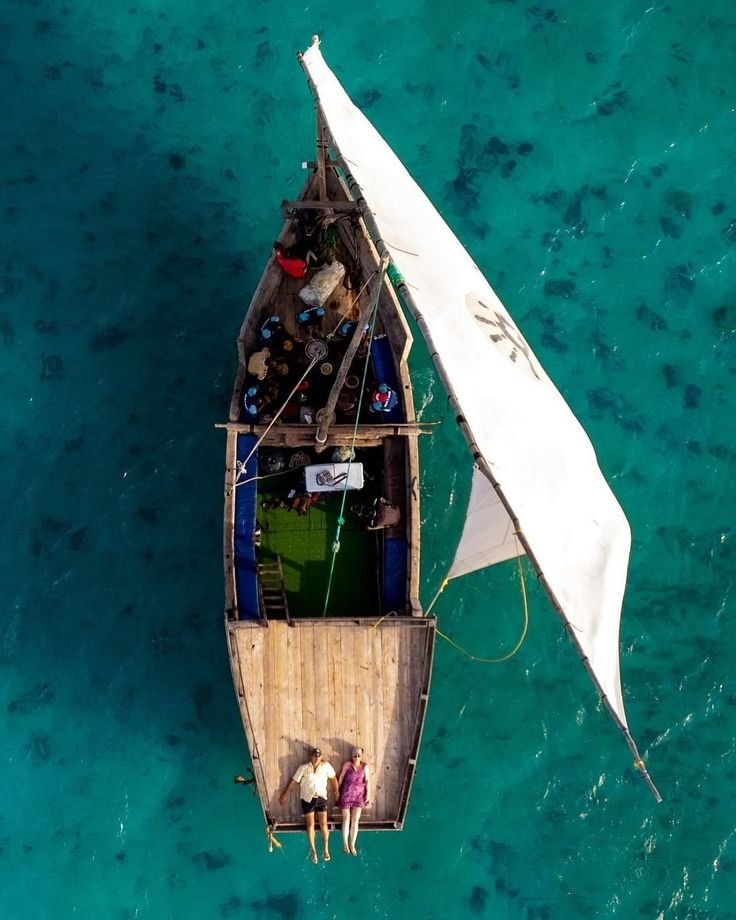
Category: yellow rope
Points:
column 272, row 841
column 523, row 632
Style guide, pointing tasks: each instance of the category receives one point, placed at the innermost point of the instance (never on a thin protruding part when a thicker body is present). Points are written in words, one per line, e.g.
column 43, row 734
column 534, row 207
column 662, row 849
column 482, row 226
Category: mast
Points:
column 326, row 416
column 321, row 164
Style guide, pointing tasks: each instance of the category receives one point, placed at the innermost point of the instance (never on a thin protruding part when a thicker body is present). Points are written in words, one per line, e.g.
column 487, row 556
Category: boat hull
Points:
column 328, row 647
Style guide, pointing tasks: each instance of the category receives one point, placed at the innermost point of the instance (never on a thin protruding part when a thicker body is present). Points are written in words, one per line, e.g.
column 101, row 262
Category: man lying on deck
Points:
column 312, row 779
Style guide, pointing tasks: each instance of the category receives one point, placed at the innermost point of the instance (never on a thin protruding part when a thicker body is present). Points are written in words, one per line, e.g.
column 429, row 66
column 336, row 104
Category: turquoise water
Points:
column 584, row 154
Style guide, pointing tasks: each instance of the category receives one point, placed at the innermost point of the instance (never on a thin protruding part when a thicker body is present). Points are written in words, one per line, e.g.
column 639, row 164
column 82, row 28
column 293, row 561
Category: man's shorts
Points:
column 317, row 804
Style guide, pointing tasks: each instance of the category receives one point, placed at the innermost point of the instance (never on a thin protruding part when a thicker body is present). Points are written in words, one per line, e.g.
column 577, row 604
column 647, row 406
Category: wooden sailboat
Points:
column 329, row 645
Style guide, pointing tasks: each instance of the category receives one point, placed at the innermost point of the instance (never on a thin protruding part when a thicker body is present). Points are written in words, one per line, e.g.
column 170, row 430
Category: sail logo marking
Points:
column 503, row 333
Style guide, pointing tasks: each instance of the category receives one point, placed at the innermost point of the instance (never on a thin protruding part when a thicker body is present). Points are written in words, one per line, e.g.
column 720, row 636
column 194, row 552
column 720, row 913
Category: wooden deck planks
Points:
column 378, row 754
column 335, row 684
column 362, row 655
column 310, row 702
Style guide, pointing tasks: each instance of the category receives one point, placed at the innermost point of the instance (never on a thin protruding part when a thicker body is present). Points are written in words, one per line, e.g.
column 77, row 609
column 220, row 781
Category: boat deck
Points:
column 334, row 684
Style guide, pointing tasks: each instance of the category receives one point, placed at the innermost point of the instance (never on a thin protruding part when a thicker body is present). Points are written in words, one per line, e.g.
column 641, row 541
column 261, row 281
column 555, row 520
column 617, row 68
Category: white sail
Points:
column 526, row 436
column 489, row 533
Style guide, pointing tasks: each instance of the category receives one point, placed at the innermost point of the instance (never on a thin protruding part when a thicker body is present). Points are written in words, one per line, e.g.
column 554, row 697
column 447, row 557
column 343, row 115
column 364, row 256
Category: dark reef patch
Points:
column 9, row 286
column 148, row 514
column 546, row 13
column 724, row 318
column 202, row 696
column 646, row 315
column 231, row 906
column 52, row 367
column 553, row 336
column 679, row 279
column 211, row 861
column 552, row 241
column 602, row 401
column 670, row 228
column 573, row 216
column 681, row 202
column 38, row 748
column 78, row 539
column 7, row 331
column 691, row 398
column 464, row 189
column 613, row 98
column 40, row 695
column 478, row 899
column 564, row 288
column 478, row 156
column 671, row 375
column 285, row 906
column 264, row 53
column 680, row 53
column 368, row 98
column 109, row 337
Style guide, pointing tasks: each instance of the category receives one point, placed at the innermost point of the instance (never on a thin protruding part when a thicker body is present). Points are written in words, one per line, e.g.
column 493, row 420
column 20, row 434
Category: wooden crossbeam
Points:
column 303, row 435
column 314, row 205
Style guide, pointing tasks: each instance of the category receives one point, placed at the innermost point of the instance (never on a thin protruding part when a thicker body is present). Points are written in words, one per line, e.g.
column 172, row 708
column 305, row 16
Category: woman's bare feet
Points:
column 353, row 851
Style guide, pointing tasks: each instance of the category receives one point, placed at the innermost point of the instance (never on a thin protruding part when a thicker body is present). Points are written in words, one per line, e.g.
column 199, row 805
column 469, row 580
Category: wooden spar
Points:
column 314, row 205
column 303, row 435
column 321, row 160
column 320, row 437
column 370, row 222
column 387, row 430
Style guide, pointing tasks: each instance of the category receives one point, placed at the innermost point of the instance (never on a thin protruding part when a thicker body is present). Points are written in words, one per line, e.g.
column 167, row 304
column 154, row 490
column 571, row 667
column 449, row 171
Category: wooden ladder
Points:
column 272, row 591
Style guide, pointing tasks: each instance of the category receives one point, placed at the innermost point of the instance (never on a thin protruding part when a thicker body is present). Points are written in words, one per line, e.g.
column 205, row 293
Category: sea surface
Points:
column 584, row 153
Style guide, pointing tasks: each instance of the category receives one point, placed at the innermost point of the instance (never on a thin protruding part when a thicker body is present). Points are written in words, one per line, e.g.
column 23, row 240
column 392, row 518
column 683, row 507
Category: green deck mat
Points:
column 304, row 545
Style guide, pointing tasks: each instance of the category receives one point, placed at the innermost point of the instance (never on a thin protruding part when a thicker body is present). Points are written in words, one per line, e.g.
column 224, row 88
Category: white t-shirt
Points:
column 313, row 782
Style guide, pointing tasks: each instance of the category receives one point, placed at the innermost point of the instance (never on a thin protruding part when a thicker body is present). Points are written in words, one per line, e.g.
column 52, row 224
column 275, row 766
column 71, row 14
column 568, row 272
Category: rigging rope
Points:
column 519, row 643
column 272, row 841
column 241, row 465
column 331, row 335
column 340, row 518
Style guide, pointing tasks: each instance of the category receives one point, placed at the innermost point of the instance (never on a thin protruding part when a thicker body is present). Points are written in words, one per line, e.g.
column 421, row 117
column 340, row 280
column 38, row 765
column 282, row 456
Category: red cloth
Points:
column 297, row 268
